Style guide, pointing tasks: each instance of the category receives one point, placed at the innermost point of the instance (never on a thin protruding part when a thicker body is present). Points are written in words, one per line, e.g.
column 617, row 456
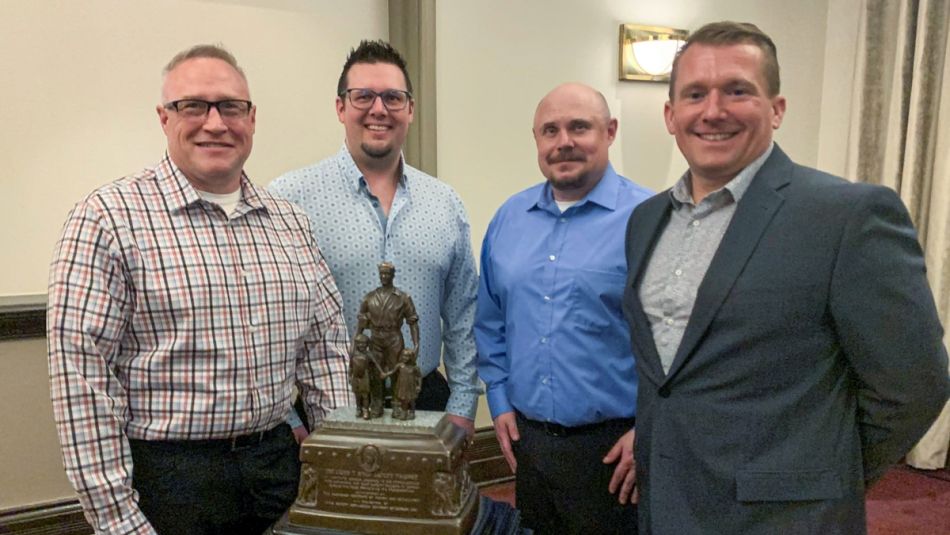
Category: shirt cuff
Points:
column 498, row 401
column 462, row 404
column 293, row 420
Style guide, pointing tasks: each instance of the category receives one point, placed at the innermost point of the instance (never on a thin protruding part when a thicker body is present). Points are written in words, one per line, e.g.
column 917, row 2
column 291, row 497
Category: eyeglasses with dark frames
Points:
column 363, row 99
column 192, row 108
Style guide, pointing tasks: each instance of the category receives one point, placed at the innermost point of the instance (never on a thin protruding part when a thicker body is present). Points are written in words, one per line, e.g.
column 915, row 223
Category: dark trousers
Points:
column 206, row 487
column 561, row 481
column 434, row 395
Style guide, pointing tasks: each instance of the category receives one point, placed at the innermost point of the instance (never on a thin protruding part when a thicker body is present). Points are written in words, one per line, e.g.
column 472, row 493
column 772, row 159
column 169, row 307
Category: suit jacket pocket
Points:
column 804, row 485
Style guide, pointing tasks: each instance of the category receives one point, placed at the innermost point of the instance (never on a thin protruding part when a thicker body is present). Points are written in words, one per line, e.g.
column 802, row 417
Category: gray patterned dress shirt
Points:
column 683, row 253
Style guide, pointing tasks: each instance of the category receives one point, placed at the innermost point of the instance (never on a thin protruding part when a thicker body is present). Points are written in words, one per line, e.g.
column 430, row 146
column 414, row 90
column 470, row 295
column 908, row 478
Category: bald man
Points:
column 553, row 346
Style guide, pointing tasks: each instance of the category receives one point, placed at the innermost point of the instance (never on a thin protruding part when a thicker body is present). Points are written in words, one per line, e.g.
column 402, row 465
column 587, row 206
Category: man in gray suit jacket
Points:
column 789, row 347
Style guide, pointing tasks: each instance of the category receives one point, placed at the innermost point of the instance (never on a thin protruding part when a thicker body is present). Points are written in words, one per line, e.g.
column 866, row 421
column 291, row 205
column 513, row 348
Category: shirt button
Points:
column 678, row 272
column 552, row 258
column 562, row 220
column 544, row 380
column 544, row 340
column 547, row 298
column 696, row 223
column 669, row 321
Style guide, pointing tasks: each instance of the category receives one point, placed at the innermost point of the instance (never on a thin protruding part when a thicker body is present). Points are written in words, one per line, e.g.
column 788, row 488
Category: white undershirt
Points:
column 564, row 205
column 227, row 201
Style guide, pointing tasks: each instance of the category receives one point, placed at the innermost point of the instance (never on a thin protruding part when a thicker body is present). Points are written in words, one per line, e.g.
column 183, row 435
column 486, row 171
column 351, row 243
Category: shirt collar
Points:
column 352, row 174
column 681, row 192
column 604, row 194
column 180, row 194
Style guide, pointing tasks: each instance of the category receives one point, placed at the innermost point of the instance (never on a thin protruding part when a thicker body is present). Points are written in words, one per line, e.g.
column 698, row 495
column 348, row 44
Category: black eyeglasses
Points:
column 191, row 108
column 363, row 99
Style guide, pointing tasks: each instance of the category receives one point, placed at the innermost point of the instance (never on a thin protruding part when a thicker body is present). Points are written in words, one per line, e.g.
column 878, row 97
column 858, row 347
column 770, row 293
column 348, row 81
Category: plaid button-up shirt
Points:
column 170, row 320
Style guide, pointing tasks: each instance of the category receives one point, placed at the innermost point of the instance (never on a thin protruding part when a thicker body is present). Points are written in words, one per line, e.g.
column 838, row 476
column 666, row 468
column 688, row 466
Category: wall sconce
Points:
column 647, row 52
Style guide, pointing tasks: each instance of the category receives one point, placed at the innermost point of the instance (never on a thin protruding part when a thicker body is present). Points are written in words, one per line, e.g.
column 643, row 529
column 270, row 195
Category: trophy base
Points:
column 323, row 523
column 383, row 476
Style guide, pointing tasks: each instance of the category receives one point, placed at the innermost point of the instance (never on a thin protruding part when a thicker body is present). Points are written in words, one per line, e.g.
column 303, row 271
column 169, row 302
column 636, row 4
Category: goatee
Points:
column 374, row 152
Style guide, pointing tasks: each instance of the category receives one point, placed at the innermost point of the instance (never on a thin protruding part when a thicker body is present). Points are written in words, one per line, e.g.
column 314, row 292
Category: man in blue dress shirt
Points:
column 368, row 206
column 553, row 346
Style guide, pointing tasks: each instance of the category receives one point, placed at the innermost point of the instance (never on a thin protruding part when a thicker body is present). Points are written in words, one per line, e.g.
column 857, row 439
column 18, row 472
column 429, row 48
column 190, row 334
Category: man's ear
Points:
column 612, row 126
column 778, row 111
column 162, row 116
column 340, row 108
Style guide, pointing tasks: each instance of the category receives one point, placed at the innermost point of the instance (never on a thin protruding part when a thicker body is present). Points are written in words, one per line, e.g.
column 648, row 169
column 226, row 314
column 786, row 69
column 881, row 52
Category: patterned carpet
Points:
column 904, row 502
column 910, row 502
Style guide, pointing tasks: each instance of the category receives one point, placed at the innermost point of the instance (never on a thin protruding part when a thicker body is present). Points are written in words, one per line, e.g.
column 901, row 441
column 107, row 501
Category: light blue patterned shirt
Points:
column 426, row 237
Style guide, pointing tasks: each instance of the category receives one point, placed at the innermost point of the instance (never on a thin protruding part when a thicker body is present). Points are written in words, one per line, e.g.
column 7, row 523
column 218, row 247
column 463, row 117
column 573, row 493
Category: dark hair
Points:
column 373, row 52
column 728, row 32
column 204, row 51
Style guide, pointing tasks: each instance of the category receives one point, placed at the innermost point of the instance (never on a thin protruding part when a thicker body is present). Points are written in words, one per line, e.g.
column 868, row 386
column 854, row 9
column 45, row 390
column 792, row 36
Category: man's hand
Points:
column 625, row 475
column 300, row 433
column 464, row 423
column 507, row 430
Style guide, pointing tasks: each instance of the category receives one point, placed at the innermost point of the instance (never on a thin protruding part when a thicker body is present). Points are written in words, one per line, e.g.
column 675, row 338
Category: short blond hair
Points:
column 204, row 51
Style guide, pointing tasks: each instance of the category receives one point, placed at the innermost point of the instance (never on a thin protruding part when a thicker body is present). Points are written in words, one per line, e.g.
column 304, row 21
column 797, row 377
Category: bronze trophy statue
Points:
column 407, row 384
column 383, row 311
column 364, row 371
column 382, row 472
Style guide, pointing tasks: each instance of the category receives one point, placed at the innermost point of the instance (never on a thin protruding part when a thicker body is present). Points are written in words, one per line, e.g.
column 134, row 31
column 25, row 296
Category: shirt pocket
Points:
column 595, row 302
column 787, row 486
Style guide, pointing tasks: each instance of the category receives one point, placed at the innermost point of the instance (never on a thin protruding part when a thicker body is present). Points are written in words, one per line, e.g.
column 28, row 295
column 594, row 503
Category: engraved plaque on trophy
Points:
column 384, row 476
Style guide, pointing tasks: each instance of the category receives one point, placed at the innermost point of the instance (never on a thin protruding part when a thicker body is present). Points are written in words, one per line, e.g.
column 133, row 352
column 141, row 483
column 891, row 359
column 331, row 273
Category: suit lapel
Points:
column 753, row 214
column 651, row 219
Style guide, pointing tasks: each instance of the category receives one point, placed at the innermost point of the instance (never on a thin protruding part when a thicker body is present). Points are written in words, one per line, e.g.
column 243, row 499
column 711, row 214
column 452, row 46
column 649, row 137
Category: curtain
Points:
column 900, row 137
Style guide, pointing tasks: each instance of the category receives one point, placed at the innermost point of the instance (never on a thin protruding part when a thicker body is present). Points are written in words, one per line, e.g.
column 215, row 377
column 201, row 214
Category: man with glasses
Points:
column 368, row 206
column 184, row 305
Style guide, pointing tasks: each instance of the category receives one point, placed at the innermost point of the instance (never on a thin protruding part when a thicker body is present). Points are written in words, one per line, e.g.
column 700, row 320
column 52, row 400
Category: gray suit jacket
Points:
column 812, row 361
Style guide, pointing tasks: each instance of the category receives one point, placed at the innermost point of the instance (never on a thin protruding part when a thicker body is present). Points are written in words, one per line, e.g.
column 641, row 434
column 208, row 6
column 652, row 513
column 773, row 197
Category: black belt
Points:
column 237, row 443
column 558, row 430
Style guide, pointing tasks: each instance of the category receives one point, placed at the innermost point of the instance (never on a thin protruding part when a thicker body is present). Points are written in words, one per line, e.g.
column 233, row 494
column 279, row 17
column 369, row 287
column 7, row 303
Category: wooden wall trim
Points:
column 412, row 33
column 64, row 517
column 22, row 316
column 487, row 465
column 54, row 518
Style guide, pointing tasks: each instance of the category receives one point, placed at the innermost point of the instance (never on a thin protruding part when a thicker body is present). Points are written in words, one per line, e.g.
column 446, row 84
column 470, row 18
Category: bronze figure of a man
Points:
column 383, row 312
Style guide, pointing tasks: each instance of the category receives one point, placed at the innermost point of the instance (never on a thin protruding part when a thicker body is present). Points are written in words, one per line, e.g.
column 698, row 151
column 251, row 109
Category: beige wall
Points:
column 497, row 58
column 81, row 80
column 31, row 468
column 841, row 50
column 77, row 96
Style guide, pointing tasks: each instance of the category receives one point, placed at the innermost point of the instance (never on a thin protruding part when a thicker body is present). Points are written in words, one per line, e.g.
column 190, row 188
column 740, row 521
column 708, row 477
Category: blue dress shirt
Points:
column 426, row 237
column 552, row 339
